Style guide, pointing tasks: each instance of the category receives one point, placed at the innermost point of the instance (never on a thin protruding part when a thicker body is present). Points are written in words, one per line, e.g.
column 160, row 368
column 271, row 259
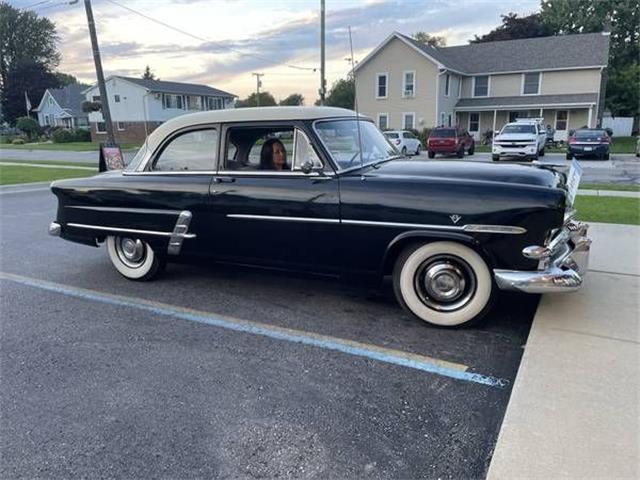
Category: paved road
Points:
column 622, row 168
column 94, row 385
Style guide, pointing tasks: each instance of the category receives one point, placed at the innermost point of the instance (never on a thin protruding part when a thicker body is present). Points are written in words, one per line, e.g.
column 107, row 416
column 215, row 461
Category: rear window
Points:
column 443, row 133
column 590, row 134
column 521, row 128
column 391, row 135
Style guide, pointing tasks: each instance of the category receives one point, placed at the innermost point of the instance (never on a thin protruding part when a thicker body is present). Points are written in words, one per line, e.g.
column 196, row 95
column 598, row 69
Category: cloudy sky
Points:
column 226, row 40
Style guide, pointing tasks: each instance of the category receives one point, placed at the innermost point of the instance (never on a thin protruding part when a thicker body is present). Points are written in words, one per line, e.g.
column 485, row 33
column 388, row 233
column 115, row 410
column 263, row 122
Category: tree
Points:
column 29, row 126
column 148, row 74
column 266, row 100
column 293, row 99
column 341, row 94
column 514, row 27
column 623, row 19
column 25, row 36
column 30, row 77
column 65, row 79
column 428, row 39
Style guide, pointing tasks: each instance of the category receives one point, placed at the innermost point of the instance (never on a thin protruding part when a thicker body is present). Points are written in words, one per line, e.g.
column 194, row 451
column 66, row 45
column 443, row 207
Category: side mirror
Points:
column 307, row 167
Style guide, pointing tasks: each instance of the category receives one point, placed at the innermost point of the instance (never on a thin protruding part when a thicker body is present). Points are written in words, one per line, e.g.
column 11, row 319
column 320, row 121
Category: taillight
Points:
column 606, row 140
column 572, row 140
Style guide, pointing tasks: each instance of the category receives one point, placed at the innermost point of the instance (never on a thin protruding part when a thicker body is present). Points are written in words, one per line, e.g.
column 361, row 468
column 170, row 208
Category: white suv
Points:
column 404, row 141
column 525, row 137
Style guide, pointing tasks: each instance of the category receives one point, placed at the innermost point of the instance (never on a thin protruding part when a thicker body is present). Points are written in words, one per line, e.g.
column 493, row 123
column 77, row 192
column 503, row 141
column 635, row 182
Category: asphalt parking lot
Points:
column 219, row 371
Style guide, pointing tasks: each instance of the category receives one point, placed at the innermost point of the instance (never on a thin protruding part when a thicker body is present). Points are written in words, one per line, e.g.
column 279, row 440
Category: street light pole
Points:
column 323, row 82
column 104, row 99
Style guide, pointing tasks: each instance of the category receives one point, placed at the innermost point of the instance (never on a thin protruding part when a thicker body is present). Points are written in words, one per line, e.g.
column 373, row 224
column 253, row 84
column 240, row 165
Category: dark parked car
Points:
column 449, row 141
column 336, row 199
column 589, row 142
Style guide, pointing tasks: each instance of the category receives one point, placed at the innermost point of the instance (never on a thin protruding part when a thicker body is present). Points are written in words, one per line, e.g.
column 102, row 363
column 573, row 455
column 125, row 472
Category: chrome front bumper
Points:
column 562, row 266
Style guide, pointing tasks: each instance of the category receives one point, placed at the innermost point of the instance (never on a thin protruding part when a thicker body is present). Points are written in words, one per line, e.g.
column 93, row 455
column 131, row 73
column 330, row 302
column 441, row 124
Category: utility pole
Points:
column 323, row 81
column 104, row 99
column 258, row 85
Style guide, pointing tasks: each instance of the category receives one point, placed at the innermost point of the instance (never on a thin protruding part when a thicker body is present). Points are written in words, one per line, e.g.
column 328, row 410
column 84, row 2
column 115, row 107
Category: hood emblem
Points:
column 455, row 218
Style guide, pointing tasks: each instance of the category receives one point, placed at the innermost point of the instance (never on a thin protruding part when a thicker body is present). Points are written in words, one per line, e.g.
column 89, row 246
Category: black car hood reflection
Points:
column 487, row 172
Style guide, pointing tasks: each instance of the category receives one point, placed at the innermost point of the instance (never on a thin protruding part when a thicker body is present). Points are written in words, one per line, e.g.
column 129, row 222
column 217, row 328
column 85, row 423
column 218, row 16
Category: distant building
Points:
column 62, row 107
column 139, row 105
column 403, row 83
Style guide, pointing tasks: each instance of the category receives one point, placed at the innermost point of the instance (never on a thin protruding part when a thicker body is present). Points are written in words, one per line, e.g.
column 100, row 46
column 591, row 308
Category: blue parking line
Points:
column 442, row 368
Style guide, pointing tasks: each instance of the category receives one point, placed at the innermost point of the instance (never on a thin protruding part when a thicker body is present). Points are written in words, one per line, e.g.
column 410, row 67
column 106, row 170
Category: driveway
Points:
column 216, row 371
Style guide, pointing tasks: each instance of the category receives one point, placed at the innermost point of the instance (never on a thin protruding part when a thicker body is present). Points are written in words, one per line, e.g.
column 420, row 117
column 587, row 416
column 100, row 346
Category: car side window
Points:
column 304, row 152
column 190, row 151
column 252, row 149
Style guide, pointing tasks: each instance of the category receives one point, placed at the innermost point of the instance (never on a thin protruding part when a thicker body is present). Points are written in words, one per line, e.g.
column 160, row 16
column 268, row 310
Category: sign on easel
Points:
column 110, row 158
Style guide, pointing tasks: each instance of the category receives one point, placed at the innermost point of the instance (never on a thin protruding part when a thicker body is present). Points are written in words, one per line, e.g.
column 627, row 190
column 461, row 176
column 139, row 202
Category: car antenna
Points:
column 355, row 97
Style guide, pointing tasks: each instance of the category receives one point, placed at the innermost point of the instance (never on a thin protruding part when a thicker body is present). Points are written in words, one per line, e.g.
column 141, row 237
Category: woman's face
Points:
column 279, row 156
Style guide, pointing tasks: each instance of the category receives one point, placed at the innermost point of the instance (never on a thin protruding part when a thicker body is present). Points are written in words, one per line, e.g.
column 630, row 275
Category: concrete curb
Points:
column 608, row 193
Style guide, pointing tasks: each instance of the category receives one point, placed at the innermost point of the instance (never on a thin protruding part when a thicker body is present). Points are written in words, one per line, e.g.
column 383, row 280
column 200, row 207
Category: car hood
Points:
column 470, row 171
column 516, row 136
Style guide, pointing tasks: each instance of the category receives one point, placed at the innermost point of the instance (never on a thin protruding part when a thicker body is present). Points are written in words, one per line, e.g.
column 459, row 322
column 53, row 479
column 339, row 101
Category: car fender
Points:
column 401, row 241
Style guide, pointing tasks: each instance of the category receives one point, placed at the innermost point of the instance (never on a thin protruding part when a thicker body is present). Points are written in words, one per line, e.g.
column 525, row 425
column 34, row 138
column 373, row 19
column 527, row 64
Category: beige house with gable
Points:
column 406, row 84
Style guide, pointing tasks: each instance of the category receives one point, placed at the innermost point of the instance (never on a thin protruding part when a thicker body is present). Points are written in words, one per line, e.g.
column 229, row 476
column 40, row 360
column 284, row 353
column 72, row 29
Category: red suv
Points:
column 450, row 140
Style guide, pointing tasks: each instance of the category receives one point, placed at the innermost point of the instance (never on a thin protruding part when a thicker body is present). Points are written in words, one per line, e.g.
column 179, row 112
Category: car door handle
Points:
column 224, row 180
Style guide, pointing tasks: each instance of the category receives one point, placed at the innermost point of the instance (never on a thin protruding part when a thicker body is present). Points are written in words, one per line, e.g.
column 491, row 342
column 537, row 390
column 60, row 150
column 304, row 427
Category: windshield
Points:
column 521, row 128
column 340, row 137
column 391, row 135
column 590, row 134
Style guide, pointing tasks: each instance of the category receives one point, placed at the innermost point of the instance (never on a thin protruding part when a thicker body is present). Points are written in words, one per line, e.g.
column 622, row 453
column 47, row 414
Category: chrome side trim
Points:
column 283, row 219
column 128, row 210
column 502, row 229
column 129, row 230
column 55, row 229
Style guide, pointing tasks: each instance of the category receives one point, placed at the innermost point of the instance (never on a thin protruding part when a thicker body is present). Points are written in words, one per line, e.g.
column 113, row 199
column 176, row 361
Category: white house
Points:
column 139, row 105
column 62, row 107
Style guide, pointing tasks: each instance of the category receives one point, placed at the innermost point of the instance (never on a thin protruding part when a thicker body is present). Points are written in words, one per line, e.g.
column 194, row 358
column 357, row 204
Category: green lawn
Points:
column 65, row 163
column 65, row 147
column 608, row 209
column 610, row 186
column 10, row 174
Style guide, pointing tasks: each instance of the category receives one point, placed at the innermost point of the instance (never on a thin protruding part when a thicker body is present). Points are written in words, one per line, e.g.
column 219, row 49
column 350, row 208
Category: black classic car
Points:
column 322, row 190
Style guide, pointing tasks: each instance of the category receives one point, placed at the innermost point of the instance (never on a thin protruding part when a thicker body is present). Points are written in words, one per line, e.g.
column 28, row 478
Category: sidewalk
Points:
column 609, row 193
column 575, row 407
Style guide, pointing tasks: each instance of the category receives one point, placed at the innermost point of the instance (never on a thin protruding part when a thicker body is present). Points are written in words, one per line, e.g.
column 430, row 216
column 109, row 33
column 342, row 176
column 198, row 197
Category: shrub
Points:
column 29, row 126
column 17, row 141
column 62, row 136
column 81, row 135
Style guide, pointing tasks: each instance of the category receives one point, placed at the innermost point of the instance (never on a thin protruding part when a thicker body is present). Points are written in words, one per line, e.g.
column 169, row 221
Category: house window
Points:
column 96, row 98
column 449, row 120
column 459, row 87
column 172, row 101
column 447, row 81
column 531, row 83
column 215, row 103
column 116, row 98
column 474, row 122
column 101, row 127
column 194, row 102
column 50, row 101
column 409, row 84
column 383, row 121
column 120, row 125
column 481, row 86
column 408, row 121
column 442, row 118
column 561, row 119
column 381, row 85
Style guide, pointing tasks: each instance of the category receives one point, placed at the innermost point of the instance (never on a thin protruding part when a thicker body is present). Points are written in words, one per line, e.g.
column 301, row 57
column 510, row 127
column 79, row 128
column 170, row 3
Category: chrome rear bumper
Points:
column 563, row 264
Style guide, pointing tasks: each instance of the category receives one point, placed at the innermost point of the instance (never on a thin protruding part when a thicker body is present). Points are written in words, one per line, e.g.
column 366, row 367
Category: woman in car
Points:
column 273, row 155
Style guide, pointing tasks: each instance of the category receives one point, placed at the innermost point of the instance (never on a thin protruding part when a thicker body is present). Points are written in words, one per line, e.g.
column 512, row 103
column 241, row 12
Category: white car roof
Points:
column 245, row 115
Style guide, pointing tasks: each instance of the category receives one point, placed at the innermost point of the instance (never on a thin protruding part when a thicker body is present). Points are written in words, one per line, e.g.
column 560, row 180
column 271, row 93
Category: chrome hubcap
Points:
column 132, row 252
column 445, row 283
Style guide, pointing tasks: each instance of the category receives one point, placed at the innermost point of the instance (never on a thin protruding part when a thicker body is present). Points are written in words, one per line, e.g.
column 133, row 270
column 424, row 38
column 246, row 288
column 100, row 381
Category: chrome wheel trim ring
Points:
column 445, row 283
column 131, row 252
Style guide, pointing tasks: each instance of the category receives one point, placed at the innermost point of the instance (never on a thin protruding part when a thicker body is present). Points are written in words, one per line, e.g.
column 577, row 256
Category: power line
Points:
column 35, row 4
column 189, row 34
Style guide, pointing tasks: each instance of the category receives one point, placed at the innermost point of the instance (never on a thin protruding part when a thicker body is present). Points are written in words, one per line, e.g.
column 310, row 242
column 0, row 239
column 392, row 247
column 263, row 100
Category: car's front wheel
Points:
column 404, row 151
column 134, row 258
column 431, row 154
column 418, row 148
column 443, row 283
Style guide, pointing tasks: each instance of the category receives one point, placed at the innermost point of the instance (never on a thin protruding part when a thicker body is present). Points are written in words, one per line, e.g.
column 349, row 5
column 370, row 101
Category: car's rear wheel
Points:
column 569, row 156
column 542, row 152
column 418, row 150
column 404, row 151
column 443, row 283
column 472, row 149
column 134, row 258
column 495, row 158
column 431, row 154
column 606, row 156
column 460, row 152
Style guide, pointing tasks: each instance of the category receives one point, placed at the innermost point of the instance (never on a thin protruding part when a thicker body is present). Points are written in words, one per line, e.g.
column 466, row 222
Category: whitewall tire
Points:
column 133, row 258
column 443, row 283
